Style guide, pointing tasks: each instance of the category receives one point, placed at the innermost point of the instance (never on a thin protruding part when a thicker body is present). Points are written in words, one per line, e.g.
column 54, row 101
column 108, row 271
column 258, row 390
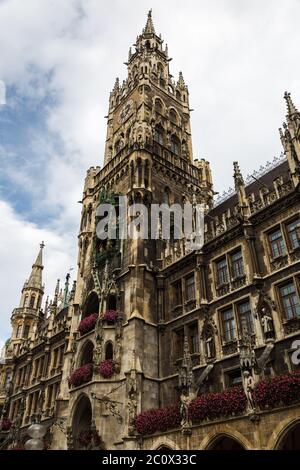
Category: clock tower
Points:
column 149, row 159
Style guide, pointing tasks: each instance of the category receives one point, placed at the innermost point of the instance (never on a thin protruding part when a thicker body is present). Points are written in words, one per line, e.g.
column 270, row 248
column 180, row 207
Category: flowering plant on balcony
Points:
column 88, row 324
column 5, row 425
column 149, row 422
column 82, row 375
column 88, row 438
column 214, row 405
column 280, row 390
column 110, row 316
column 106, row 369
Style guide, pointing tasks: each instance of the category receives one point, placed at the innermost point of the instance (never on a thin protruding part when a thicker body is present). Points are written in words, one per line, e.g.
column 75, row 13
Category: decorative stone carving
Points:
column 209, row 331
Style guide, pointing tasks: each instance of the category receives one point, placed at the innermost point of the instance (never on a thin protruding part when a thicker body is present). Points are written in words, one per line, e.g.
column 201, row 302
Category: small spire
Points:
column 181, row 81
column 39, row 260
column 116, row 85
column 290, row 105
column 56, row 294
column 149, row 28
column 129, row 54
column 66, row 291
column 35, row 279
column 238, row 177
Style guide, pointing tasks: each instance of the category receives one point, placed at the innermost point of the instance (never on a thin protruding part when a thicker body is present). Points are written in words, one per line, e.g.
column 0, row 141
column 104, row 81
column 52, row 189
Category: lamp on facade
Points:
column 36, row 432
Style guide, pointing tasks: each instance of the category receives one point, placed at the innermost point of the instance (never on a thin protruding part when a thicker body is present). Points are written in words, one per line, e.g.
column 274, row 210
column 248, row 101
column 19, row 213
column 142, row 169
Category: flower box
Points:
column 5, row 425
column 282, row 390
column 107, row 369
column 110, row 316
column 88, row 324
column 160, row 420
column 81, row 376
column 88, row 438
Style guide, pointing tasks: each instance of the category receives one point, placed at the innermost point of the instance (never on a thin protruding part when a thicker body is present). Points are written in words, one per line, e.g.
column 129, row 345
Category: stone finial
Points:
column 290, row 105
column 238, row 177
column 149, row 28
column 116, row 85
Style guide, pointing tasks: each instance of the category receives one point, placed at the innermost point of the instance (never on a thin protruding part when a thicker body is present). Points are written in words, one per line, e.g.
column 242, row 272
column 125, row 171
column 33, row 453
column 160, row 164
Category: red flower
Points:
column 280, row 390
column 110, row 316
column 88, row 437
column 107, row 369
column 82, row 375
column 214, row 405
column 5, row 425
column 88, row 324
column 161, row 420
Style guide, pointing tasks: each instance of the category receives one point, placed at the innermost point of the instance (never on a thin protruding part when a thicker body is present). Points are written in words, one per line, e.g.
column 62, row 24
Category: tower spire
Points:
column 149, row 28
column 35, row 279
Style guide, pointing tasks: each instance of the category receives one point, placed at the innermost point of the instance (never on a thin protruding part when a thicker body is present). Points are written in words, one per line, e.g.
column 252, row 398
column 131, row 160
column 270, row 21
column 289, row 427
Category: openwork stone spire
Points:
column 149, row 28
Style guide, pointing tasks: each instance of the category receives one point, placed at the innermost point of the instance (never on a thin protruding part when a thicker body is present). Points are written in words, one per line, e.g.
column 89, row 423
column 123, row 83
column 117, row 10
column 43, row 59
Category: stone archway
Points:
column 225, row 442
column 84, row 433
column 289, row 438
column 91, row 305
column 86, row 354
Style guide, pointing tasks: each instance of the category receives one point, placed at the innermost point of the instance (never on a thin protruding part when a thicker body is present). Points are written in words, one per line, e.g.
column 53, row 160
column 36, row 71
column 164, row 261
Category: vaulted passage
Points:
column 291, row 440
column 225, row 443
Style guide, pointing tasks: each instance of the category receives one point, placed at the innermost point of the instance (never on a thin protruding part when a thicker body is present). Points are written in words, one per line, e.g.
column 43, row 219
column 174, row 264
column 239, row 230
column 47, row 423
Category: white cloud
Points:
column 237, row 57
column 19, row 245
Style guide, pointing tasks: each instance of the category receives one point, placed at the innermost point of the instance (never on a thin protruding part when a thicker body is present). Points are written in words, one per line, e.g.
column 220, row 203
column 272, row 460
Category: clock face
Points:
column 125, row 111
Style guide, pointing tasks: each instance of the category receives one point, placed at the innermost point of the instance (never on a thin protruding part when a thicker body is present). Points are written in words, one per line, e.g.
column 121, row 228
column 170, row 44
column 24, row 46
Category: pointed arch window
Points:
column 175, row 145
column 159, row 135
column 173, row 116
column 109, row 351
column 158, row 106
column 32, row 301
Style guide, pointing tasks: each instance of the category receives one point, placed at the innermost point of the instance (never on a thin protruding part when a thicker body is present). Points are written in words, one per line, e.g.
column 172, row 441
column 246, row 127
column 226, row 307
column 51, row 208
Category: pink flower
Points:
column 5, row 425
column 280, row 390
column 88, row 437
column 149, row 422
column 107, row 369
column 110, row 316
column 82, row 375
column 88, row 324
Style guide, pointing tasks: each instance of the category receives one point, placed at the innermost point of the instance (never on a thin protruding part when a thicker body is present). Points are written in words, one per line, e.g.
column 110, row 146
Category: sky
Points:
column 59, row 60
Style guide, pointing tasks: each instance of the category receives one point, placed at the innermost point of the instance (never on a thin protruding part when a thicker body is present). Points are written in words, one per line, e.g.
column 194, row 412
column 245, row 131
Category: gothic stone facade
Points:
column 189, row 322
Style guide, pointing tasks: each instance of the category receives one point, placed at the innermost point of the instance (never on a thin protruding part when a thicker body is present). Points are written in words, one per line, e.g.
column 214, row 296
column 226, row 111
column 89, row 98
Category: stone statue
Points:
column 248, row 384
column 209, row 342
column 267, row 323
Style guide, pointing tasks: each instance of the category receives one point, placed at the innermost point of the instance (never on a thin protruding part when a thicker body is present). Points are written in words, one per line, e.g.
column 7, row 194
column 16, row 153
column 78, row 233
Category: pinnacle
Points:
column 149, row 28
column 290, row 105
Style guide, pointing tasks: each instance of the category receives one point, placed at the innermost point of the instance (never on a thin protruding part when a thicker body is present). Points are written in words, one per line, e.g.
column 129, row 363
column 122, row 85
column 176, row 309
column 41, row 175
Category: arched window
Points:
column 32, row 301
column 109, row 351
column 158, row 106
column 166, row 196
column 159, row 135
column 139, row 172
column 178, row 95
column 173, row 116
column 175, row 145
column 112, row 302
column 147, row 175
column 26, row 301
column 91, row 306
column 86, row 356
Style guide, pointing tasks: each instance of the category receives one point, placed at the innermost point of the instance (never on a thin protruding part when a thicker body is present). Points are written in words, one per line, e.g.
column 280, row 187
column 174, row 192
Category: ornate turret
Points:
column 241, row 191
column 27, row 315
column 290, row 138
